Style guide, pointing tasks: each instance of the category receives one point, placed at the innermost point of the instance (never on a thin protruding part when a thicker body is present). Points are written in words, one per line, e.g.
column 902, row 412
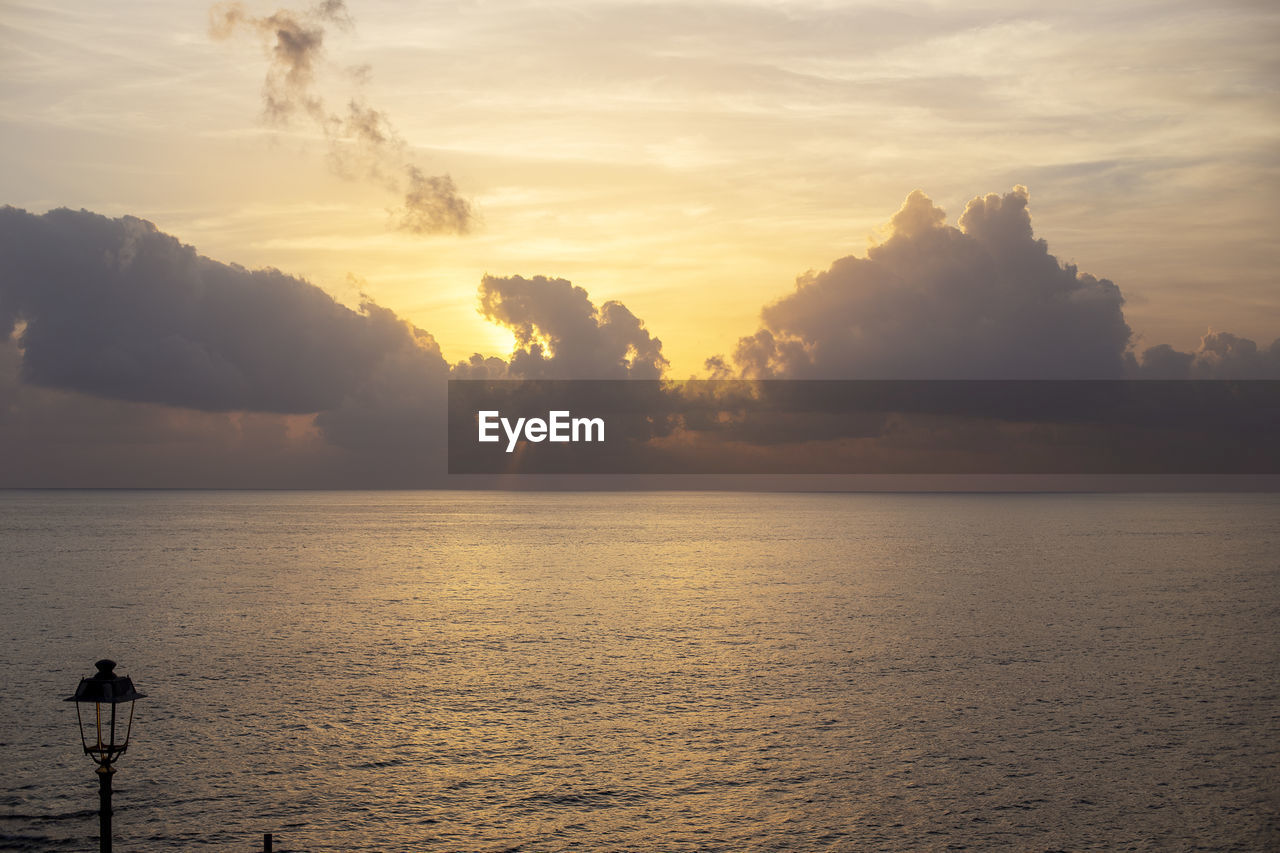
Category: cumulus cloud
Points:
column 117, row 309
column 985, row 300
column 126, row 358
column 117, row 327
column 561, row 334
column 393, row 420
column 362, row 140
column 116, row 338
column 1221, row 355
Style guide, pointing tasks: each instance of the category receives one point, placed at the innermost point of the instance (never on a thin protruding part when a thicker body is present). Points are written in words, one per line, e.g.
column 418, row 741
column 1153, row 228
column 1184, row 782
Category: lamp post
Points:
column 102, row 742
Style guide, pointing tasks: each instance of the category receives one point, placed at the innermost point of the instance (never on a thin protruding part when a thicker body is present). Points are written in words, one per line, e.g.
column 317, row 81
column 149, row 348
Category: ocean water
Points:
column 444, row 671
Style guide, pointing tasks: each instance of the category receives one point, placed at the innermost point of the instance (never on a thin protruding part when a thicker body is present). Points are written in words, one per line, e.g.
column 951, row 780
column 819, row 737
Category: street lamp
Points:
column 102, row 741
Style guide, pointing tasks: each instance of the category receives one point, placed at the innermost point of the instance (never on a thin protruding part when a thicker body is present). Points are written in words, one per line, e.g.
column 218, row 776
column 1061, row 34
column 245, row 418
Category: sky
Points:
column 591, row 189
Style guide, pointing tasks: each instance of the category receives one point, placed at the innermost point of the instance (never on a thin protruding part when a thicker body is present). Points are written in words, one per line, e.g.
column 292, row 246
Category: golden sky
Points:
column 688, row 159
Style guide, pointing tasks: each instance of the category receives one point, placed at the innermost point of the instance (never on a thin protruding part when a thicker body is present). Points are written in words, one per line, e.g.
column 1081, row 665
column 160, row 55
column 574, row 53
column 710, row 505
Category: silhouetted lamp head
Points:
column 105, row 691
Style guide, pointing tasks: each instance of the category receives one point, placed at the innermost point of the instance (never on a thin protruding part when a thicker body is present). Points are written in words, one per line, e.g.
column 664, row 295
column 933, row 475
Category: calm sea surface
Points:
column 671, row 672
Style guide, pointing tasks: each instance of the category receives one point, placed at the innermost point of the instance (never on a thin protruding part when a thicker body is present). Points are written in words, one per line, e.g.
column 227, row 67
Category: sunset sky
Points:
column 688, row 160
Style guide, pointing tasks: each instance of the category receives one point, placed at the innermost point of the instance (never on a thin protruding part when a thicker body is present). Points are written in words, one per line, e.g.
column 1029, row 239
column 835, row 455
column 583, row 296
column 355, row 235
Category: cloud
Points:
column 1221, row 355
column 561, row 334
column 126, row 358
column 297, row 49
column 117, row 309
column 115, row 335
column 985, row 300
column 116, row 338
column 65, row 439
column 393, row 420
column 432, row 205
column 362, row 141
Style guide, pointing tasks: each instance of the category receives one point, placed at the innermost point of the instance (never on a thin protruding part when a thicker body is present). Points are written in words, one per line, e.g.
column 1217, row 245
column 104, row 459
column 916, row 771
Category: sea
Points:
column 656, row 671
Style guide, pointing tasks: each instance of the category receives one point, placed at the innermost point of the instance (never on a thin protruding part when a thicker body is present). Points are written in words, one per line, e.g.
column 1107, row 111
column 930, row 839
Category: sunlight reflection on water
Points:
column 463, row 671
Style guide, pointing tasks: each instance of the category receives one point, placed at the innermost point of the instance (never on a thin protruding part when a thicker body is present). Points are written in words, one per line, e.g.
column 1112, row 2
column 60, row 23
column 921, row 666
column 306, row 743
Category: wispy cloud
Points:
column 363, row 143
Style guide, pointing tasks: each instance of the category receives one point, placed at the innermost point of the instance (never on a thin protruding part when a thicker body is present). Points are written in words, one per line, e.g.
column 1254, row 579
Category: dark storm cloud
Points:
column 561, row 334
column 362, row 140
column 117, row 309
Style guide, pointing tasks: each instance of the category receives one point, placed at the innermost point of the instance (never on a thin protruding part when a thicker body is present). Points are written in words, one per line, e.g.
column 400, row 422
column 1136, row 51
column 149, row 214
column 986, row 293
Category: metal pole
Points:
column 105, row 772
column 266, row 842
